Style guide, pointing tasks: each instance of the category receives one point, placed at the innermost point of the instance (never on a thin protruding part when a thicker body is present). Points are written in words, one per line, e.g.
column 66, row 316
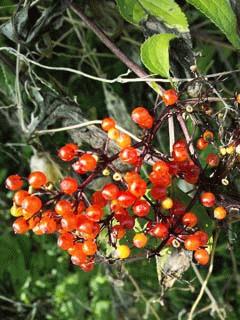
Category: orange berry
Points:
column 192, row 242
column 14, row 182
column 113, row 134
column 170, row 97
column 89, row 247
column 108, row 123
column 220, row 213
column 190, row 219
column 140, row 240
column 123, row 140
column 20, row 196
column 202, row 144
column 32, row 204
column 69, row 185
column 201, row 256
column 20, row 226
column 37, row 179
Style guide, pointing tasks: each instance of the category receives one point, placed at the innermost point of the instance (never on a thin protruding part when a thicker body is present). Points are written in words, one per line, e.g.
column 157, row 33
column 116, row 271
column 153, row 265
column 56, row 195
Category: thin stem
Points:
column 204, row 284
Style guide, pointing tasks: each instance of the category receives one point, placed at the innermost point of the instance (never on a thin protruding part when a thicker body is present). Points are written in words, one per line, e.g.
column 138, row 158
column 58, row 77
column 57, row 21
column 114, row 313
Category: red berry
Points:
column 180, row 151
column 118, row 231
column 84, row 224
column 158, row 193
column 81, row 205
column 137, row 187
column 37, row 179
column 161, row 166
column 89, row 247
column 20, row 196
column 97, row 198
column 87, row 162
column 108, row 123
column 201, row 256
column 160, row 230
column 212, row 160
column 77, row 167
column 207, row 199
column 32, row 204
column 110, row 191
column 69, row 222
column 178, row 208
column 65, row 241
column 69, row 185
column 67, row 152
column 63, row 207
column 14, row 182
column 170, row 97
column 94, row 213
column 203, row 237
column 192, row 242
column 161, row 179
column 129, row 155
column 126, row 199
column 20, row 226
column 190, row 219
column 141, row 208
column 141, row 116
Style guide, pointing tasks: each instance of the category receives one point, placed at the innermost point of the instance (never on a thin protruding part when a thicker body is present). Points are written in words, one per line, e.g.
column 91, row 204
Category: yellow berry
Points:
column 219, row 213
column 223, row 151
column 123, row 251
column 16, row 212
column 167, row 203
column 113, row 134
column 230, row 149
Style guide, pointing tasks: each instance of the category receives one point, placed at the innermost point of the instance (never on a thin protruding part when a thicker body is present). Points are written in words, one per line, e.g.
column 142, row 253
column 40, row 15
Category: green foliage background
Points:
column 37, row 280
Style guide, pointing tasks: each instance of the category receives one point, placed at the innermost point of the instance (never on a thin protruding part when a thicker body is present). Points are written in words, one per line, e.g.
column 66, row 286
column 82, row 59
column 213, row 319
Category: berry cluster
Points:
column 138, row 204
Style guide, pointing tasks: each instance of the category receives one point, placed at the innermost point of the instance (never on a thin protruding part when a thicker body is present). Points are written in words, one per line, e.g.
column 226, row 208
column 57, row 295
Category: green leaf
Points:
column 131, row 10
column 155, row 53
column 168, row 11
column 222, row 15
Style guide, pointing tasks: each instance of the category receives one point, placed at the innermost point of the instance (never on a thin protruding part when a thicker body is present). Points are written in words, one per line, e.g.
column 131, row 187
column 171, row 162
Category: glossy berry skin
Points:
column 14, row 182
column 69, row 222
column 192, row 242
column 63, row 207
column 161, row 166
column 123, row 251
column 84, row 224
column 37, row 179
column 190, row 219
column 178, row 208
column 126, row 221
column 97, row 198
column 170, row 97
column 160, row 179
column 94, row 213
column 141, row 116
column 126, row 199
column 141, row 208
column 113, row 134
column 138, row 187
column 69, row 185
column 203, row 237
column 65, row 241
column 110, row 191
column 180, row 151
column 20, row 226
column 140, row 240
column 129, row 155
column 68, row 152
column 202, row 144
column 207, row 199
column 160, row 230
column 212, row 160
column 32, row 204
column 219, row 213
column 123, row 141
column 87, row 162
column 201, row 256
column 19, row 196
column 108, row 123
column 89, row 247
